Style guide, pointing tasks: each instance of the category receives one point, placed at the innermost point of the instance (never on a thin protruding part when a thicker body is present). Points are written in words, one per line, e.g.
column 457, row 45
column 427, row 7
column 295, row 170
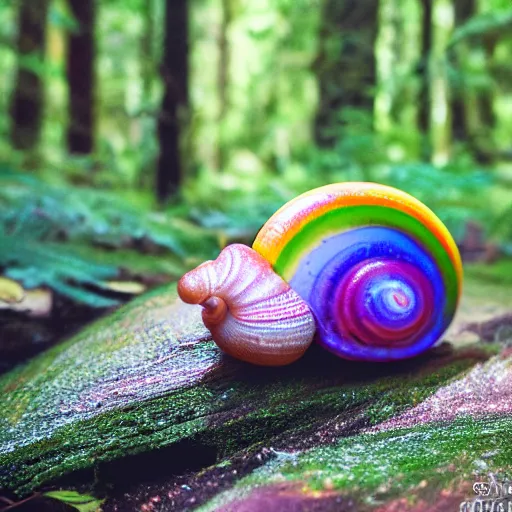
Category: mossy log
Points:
column 142, row 406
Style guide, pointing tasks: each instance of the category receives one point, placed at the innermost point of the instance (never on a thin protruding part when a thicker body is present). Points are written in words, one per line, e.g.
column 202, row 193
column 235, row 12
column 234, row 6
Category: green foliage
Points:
column 358, row 147
column 60, row 17
column 80, row 502
column 238, row 219
column 499, row 273
column 65, row 238
column 489, row 24
column 269, row 97
column 79, row 214
column 455, row 193
column 35, row 264
column 235, row 206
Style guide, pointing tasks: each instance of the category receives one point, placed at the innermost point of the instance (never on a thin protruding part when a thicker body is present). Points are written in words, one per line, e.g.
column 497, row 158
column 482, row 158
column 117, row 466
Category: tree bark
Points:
column 483, row 140
column 440, row 92
column 27, row 103
column 81, row 78
column 346, row 75
column 474, row 118
column 423, row 66
column 463, row 100
column 174, row 72
column 224, row 63
column 147, row 53
column 387, row 56
column 396, row 101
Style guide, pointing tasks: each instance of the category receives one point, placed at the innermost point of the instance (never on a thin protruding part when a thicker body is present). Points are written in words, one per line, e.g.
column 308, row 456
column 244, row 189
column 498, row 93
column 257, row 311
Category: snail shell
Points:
column 378, row 271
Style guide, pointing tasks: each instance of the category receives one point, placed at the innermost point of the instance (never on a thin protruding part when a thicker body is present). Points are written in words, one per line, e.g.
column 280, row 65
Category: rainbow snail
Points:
column 365, row 269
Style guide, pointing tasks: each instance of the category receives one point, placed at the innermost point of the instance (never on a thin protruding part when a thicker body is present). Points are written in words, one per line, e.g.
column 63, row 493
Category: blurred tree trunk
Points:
column 174, row 72
column 147, row 49
column 27, row 102
column 440, row 94
column 345, row 65
column 484, row 140
column 463, row 103
column 423, row 67
column 491, row 103
column 387, row 55
column 474, row 118
column 224, row 63
column 81, row 78
column 396, row 101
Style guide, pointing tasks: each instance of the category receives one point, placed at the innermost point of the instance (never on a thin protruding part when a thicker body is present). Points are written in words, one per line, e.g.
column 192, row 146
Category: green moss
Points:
column 392, row 463
column 83, row 444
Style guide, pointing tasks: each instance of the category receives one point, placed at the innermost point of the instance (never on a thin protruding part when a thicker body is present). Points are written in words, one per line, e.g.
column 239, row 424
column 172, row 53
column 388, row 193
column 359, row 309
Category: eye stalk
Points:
column 252, row 313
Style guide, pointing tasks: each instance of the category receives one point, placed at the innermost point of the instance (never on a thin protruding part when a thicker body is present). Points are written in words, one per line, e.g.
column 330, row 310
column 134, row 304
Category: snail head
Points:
column 252, row 313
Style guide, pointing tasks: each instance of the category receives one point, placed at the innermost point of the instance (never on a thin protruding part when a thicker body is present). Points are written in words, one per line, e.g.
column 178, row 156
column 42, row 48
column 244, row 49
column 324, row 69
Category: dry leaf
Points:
column 10, row 291
column 128, row 287
column 36, row 303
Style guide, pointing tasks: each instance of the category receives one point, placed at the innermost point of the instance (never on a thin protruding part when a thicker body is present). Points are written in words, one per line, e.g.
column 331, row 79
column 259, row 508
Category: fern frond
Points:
column 493, row 23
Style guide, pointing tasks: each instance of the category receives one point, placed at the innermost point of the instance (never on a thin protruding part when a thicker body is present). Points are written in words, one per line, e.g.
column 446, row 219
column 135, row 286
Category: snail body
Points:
column 370, row 269
column 252, row 313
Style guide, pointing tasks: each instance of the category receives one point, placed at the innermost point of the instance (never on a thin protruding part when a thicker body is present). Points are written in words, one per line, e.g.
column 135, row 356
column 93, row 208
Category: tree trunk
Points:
column 174, row 72
column 387, row 55
column 224, row 63
column 484, row 140
column 463, row 100
column 474, row 110
column 147, row 52
column 81, row 79
column 347, row 75
column 423, row 66
column 27, row 102
column 440, row 93
column 396, row 101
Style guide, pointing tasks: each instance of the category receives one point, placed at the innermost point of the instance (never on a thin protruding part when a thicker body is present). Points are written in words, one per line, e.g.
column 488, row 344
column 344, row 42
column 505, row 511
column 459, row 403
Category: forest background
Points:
column 138, row 137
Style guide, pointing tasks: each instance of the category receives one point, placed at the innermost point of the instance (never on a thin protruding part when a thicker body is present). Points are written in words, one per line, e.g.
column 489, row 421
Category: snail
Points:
column 366, row 270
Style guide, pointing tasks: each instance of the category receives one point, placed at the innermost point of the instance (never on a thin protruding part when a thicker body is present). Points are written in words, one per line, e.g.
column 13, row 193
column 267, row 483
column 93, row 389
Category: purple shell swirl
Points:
column 376, row 294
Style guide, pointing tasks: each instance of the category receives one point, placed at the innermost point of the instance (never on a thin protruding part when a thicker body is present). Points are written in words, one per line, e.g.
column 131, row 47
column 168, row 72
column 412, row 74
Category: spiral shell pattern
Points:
column 380, row 272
